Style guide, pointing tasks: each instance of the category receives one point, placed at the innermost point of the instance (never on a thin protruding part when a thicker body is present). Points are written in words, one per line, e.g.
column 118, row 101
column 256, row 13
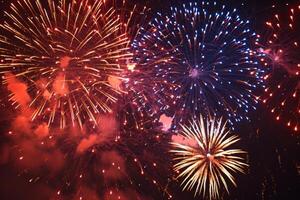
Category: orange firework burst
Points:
column 281, row 46
column 204, row 159
column 70, row 54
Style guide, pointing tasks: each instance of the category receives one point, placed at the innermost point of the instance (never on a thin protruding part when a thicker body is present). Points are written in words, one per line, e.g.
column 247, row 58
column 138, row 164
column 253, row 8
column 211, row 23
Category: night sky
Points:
column 273, row 151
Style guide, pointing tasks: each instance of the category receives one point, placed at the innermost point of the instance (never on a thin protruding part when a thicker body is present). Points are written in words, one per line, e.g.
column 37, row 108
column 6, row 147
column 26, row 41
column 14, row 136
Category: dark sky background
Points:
column 273, row 150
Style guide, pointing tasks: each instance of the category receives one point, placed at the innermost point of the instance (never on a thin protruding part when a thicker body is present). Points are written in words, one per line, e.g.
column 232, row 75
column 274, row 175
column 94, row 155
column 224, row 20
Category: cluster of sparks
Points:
column 282, row 49
column 204, row 158
column 80, row 60
column 199, row 61
column 69, row 53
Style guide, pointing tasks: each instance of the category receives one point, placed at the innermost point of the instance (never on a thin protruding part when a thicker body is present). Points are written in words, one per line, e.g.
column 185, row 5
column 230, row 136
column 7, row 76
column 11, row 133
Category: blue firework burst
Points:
column 199, row 58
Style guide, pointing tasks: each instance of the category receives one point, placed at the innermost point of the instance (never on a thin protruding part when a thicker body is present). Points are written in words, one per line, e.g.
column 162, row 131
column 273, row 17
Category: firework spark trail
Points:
column 203, row 157
column 281, row 46
column 134, row 108
column 135, row 148
column 84, row 155
column 70, row 54
column 194, row 60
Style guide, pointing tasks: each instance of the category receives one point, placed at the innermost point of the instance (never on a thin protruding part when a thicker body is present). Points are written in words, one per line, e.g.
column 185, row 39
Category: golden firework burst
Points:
column 203, row 157
column 70, row 54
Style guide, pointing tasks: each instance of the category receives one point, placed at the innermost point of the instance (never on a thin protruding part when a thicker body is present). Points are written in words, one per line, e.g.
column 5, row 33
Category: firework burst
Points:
column 281, row 46
column 69, row 53
column 204, row 159
column 195, row 60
